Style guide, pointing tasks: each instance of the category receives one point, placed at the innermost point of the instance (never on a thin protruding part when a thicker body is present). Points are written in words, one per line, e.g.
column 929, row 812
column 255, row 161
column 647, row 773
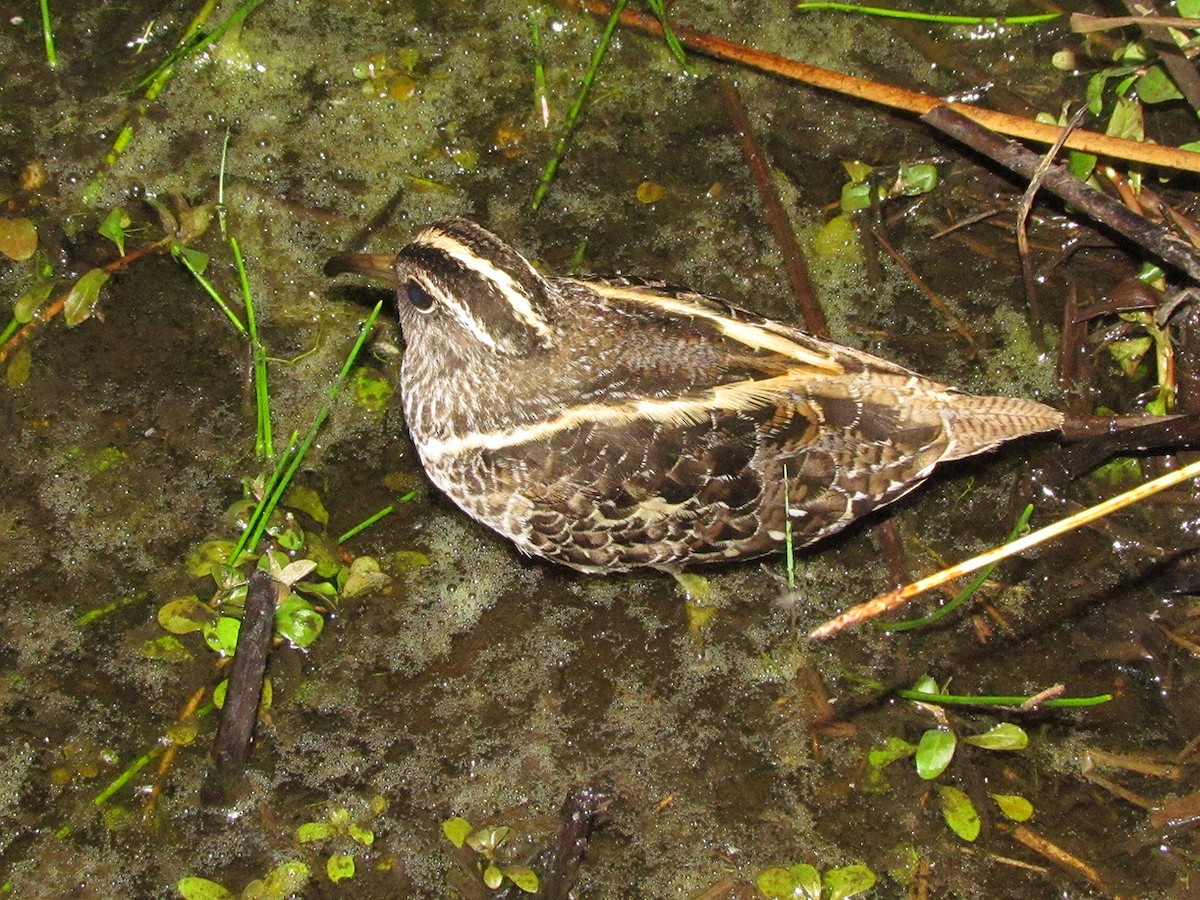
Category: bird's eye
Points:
column 419, row 297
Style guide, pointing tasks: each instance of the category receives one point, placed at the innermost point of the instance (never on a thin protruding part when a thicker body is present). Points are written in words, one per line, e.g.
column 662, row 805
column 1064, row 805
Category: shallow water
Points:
column 485, row 685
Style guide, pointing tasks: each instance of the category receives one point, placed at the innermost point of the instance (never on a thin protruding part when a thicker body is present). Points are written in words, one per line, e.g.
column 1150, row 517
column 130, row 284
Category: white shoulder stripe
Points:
column 736, row 397
column 751, row 335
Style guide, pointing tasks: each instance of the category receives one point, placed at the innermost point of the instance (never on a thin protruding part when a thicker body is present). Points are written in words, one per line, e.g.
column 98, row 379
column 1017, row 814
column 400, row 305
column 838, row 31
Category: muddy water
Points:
column 482, row 684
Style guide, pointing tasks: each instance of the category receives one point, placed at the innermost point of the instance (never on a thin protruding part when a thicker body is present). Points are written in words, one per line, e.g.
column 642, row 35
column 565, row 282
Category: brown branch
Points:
column 897, row 97
column 1154, row 239
column 794, row 263
column 46, row 314
column 232, row 743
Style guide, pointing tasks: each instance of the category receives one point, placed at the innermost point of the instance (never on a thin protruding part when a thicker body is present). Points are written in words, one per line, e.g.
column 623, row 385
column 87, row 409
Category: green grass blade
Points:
column 289, row 463
column 560, row 148
column 48, row 34
column 929, row 17
column 962, row 596
column 263, row 445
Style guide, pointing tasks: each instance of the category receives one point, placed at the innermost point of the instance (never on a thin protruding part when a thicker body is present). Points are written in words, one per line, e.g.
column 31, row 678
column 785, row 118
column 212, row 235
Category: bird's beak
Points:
column 374, row 265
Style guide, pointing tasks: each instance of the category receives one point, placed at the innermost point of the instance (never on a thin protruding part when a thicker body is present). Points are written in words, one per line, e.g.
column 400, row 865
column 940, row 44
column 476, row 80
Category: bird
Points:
column 613, row 423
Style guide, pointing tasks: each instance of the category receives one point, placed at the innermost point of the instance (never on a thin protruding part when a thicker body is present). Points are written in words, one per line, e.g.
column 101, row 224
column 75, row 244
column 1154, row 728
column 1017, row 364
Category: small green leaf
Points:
column 113, row 227
column 492, row 876
column 192, row 259
column 31, row 301
column 364, row 836
column 191, row 888
column 926, row 685
column 314, row 831
column 1129, row 354
column 959, row 812
column 1126, row 120
column 848, row 881
column 409, row 560
column 298, row 621
column 1095, row 92
column 18, row 238
column 1014, row 807
column 1189, row 9
column 286, row 879
column 1081, row 165
column 1154, row 86
column 934, row 752
column 796, row 882
column 200, row 561
column 523, row 877
column 339, row 866
column 917, row 179
column 893, row 748
column 20, row 368
column 364, row 577
column 306, row 500
column 165, row 649
column 83, row 297
column 855, row 196
column 183, row 615
column 223, row 635
column 1005, row 736
column 456, row 830
column 486, row 840
column 182, row 733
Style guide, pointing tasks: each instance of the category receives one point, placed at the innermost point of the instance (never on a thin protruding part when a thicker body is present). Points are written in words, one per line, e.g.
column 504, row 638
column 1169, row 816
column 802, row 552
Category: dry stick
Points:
column 794, row 263
column 1155, row 239
column 1025, row 835
column 1082, row 23
column 934, row 298
column 1182, row 70
column 232, row 743
column 899, row 98
column 1037, row 313
column 893, row 599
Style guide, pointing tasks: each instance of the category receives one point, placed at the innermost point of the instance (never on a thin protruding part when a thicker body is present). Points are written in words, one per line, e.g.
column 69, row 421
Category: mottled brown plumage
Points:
column 610, row 424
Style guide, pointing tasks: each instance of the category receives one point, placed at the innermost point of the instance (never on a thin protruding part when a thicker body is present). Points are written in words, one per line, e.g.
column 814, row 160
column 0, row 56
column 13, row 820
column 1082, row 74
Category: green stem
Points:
column 289, row 463
column 48, row 34
column 263, row 445
column 371, row 520
column 976, row 583
column 589, row 77
column 210, row 289
column 929, row 17
column 986, row 700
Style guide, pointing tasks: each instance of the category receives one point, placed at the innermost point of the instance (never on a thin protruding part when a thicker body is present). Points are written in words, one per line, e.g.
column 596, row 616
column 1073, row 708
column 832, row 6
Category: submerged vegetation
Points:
column 429, row 697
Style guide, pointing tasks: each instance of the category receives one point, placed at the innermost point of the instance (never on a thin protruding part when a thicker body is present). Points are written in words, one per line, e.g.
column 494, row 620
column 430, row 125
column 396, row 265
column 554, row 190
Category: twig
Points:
column 1082, row 23
column 1023, row 209
column 934, row 298
column 1155, row 239
column 794, row 263
column 893, row 599
column 232, row 743
column 1182, row 70
column 54, row 307
column 579, row 815
column 1056, row 854
column 899, row 98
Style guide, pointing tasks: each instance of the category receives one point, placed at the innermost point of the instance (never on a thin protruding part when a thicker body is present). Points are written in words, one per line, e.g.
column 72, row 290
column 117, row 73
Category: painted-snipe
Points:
column 610, row 423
